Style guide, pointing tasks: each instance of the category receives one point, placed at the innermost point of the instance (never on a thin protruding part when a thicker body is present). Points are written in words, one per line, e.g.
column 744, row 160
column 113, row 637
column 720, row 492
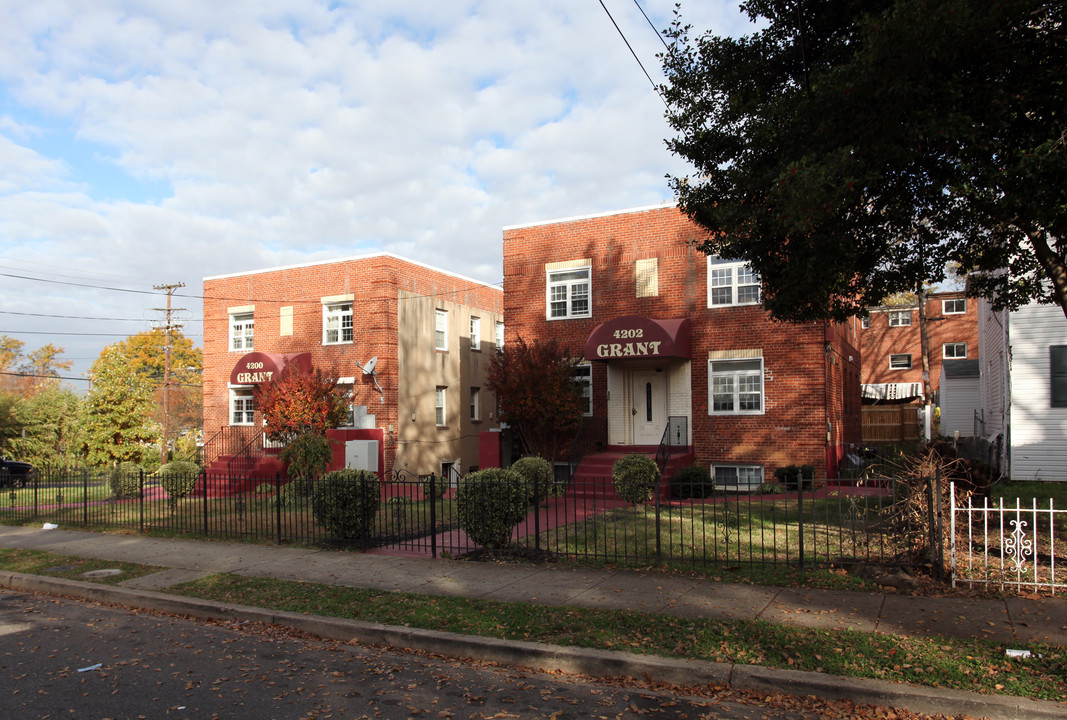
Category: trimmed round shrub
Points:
column 489, row 503
column 694, row 481
column 440, row 486
column 537, row 477
column 178, row 477
column 635, row 477
column 345, row 503
column 125, row 480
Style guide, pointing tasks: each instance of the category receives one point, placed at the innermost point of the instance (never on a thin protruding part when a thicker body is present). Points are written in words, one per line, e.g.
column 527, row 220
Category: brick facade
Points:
column 394, row 303
column 642, row 263
column 880, row 340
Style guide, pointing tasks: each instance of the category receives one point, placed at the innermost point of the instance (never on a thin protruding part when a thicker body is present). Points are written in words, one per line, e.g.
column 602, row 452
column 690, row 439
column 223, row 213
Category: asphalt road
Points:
column 68, row 659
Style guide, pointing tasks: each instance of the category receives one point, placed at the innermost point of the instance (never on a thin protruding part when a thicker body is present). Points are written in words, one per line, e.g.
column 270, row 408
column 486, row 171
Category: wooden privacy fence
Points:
column 890, row 423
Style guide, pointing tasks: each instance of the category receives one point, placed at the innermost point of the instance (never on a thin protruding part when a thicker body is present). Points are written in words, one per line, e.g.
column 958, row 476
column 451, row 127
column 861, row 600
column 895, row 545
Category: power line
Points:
column 632, row 52
column 654, row 28
column 81, row 317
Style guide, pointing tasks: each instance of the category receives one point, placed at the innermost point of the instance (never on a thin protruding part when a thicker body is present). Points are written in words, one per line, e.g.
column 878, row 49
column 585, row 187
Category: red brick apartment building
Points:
column 667, row 332
column 409, row 342
column 892, row 350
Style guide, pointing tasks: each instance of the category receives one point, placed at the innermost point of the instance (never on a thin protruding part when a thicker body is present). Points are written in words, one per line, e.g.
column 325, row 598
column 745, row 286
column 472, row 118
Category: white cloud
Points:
column 287, row 130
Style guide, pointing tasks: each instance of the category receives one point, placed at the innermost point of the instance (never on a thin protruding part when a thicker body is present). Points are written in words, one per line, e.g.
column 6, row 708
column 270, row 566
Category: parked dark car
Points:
column 14, row 473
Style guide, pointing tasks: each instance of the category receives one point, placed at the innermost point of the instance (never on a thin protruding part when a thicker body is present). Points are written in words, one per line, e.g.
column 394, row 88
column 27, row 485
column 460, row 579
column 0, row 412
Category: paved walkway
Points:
column 1015, row 621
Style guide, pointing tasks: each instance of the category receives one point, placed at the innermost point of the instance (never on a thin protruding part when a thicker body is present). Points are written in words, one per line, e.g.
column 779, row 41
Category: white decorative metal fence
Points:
column 1005, row 545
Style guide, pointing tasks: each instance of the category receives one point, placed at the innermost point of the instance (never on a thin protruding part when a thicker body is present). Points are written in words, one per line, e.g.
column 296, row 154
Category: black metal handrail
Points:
column 676, row 434
column 247, row 455
column 229, row 440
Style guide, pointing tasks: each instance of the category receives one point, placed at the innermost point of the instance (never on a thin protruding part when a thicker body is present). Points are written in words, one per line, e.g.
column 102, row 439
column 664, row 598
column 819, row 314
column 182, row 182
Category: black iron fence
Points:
column 817, row 524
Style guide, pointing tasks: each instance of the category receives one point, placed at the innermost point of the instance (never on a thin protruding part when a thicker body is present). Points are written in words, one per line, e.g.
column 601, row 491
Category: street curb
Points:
column 584, row 661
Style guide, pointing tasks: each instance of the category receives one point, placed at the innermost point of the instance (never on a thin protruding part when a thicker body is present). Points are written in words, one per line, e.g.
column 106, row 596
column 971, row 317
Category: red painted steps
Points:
column 592, row 478
column 245, row 475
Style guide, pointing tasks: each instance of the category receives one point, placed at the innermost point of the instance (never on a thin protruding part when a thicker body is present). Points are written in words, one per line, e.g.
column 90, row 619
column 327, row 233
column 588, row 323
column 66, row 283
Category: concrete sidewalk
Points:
column 1015, row 621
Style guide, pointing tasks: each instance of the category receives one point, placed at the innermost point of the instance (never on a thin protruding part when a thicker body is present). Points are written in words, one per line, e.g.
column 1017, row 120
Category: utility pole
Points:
column 169, row 289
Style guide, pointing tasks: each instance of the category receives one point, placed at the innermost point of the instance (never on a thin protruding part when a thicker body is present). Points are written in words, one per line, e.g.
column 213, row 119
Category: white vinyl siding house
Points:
column 1017, row 376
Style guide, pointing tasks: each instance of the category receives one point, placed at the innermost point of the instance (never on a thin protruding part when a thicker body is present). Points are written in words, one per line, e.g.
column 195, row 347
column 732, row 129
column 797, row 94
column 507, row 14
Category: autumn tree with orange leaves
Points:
column 538, row 395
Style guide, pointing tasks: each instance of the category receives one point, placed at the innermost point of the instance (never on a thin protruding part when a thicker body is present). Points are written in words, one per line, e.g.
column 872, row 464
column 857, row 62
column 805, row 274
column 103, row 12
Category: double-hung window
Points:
column 736, row 386
column 476, row 333
column 241, row 412
column 242, row 326
column 899, row 318
column 476, row 404
column 583, row 375
column 336, row 323
column 731, row 283
column 499, row 335
column 439, row 405
column 440, row 330
column 953, row 351
column 569, row 293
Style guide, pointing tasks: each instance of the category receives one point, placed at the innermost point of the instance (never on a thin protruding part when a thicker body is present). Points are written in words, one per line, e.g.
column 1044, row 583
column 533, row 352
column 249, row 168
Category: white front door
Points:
column 649, row 406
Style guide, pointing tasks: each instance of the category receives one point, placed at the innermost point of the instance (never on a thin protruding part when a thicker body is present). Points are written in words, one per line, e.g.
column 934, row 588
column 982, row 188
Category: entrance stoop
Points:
column 592, row 478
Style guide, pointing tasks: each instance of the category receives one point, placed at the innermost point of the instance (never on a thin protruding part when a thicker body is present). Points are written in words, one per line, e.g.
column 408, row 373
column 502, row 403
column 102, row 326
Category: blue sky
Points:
column 153, row 142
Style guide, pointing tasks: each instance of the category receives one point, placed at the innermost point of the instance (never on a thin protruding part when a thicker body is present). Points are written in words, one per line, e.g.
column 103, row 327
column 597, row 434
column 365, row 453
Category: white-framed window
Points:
column 954, row 306
column 865, row 322
column 439, row 404
column 731, row 282
column 242, row 331
column 499, row 335
column 241, row 411
column 568, row 293
column 900, row 361
column 350, row 410
column 476, row 404
column 336, row 323
column 476, row 333
column 899, row 318
column 736, row 386
column 583, row 375
column 741, row 477
column 954, row 351
column 440, row 330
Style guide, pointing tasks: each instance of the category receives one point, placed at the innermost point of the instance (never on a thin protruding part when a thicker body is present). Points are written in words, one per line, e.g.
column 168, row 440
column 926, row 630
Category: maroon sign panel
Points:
column 256, row 368
column 632, row 336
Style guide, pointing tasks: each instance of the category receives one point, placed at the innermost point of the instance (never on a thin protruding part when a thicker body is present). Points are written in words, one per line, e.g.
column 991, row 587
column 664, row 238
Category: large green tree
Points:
column 538, row 395
column 850, row 149
column 147, row 354
column 118, row 411
column 51, row 419
column 27, row 373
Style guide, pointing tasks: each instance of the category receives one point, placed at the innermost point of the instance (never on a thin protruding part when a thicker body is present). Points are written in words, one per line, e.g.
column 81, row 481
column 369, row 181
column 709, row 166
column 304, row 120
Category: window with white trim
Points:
column 568, row 293
column 336, row 323
column 901, row 361
column 741, row 477
column 499, row 335
column 440, row 330
column 731, row 282
column 439, row 405
column 736, row 386
column 476, row 333
column 241, row 411
column 583, row 375
column 954, row 351
column 899, row 318
column 242, row 330
column 476, row 404
column 865, row 322
column 953, row 306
